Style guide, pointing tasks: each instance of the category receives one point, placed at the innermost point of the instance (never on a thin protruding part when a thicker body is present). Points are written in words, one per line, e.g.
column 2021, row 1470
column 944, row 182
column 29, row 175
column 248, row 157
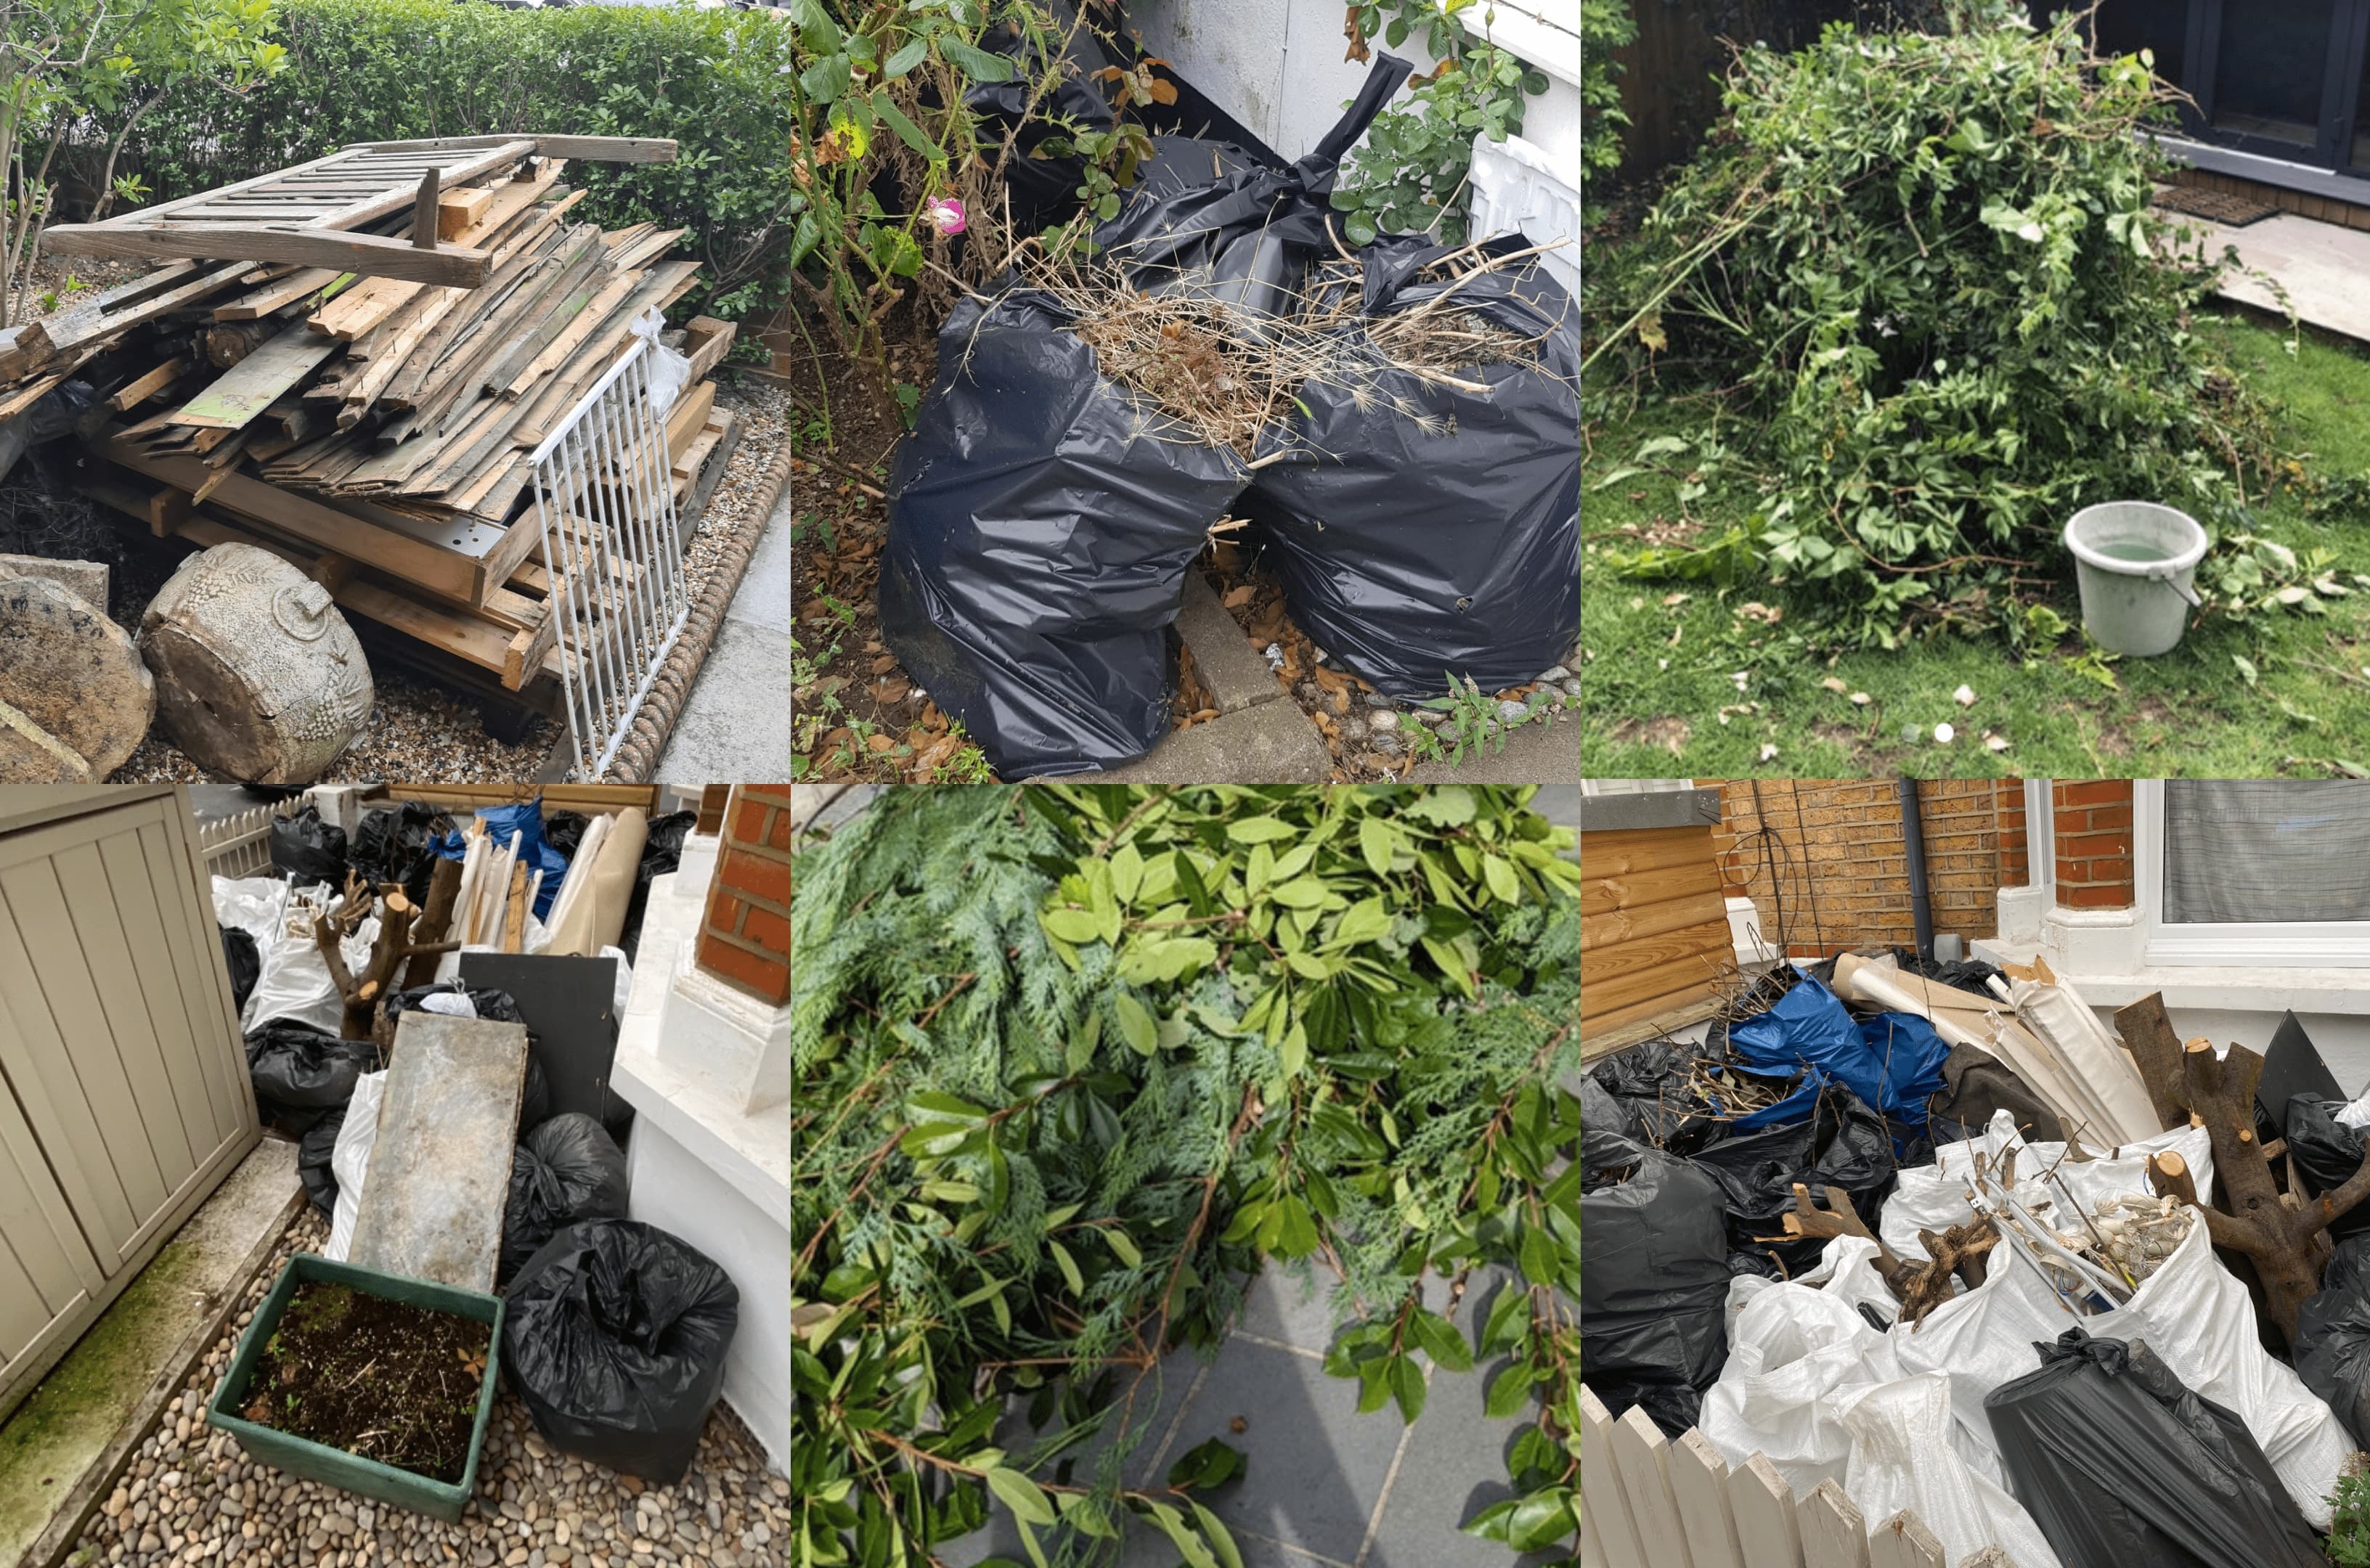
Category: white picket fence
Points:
column 1648, row 1501
column 238, row 845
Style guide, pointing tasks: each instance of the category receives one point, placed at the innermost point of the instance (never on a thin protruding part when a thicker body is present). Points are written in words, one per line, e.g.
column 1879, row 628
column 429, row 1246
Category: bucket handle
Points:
column 2171, row 580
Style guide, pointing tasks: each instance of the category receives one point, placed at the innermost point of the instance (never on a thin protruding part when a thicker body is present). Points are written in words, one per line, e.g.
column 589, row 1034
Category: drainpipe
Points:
column 1912, row 838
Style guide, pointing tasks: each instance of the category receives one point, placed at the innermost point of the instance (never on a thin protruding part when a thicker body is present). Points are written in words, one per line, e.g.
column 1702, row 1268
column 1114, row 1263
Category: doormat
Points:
column 2226, row 208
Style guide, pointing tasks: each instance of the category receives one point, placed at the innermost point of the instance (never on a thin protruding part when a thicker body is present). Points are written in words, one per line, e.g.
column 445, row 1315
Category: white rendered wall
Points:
column 1279, row 68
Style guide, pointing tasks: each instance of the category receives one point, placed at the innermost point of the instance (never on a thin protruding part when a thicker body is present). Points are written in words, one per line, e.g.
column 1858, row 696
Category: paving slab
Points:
column 2321, row 265
column 1267, row 743
column 1543, row 751
column 59, row 1450
column 440, row 1172
column 1236, row 674
column 735, row 722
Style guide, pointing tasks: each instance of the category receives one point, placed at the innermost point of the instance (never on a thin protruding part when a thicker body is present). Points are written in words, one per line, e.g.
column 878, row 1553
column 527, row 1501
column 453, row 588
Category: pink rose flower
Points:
column 946, row 215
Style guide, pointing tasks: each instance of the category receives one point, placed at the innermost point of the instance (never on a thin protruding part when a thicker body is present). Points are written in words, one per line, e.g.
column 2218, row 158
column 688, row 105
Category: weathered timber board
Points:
column 439, row 1171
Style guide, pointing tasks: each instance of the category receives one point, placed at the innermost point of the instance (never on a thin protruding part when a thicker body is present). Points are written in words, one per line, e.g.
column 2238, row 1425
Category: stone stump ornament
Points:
column 77, row 699
column 259, row 677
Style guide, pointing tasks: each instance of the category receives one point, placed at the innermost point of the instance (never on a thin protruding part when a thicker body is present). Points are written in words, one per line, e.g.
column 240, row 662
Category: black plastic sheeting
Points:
column 1976, row 1084
column 313, row 850
column 567, row 1170
column 1654, row 1297
column 1045, row 189
column 301, row 1072
column 615, row 1336
column 1041, row 519
column 1843, row 1144
column 1437, row 531
column 313, row 1154
column 243, row 960
column 2332, row 1354
column 396, row 845
column 661, row 852
column 2119, row 1464
column 2327, row 1153
column 1648, row 1082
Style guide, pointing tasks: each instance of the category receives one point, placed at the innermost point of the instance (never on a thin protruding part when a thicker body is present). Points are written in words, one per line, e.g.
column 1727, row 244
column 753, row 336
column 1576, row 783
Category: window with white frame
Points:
column 2253, row 871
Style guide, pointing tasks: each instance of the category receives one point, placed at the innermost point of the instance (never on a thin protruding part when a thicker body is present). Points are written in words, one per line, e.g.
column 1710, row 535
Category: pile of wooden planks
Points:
column 374, row 428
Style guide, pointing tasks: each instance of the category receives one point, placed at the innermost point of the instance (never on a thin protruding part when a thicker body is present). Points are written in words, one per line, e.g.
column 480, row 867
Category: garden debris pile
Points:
column 372, row 431
column 1169, row 1033
column 1401, row 423
column 1834, row 1300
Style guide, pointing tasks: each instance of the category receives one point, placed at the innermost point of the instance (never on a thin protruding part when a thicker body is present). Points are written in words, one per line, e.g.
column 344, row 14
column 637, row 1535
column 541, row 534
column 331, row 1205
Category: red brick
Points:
column 765, row 979
column 780, row 839
column 746, row 872
column 777, row 795
column 2099, row 897
column 768, row 929
column 2096, row 792
column 723, row 911
column 751, row 818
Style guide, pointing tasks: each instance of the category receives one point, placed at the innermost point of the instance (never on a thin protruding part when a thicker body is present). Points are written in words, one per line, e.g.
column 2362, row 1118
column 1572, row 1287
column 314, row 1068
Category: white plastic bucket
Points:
column 2135, row 562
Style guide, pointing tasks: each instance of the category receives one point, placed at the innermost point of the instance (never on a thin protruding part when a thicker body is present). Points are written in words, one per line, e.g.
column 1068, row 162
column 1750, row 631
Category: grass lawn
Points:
column 1685, row 677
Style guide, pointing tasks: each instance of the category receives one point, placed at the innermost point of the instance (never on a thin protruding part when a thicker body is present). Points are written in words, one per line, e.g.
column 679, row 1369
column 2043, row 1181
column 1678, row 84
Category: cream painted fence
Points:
column 124, row 1098
column 238, row 845
column 1651, row 1503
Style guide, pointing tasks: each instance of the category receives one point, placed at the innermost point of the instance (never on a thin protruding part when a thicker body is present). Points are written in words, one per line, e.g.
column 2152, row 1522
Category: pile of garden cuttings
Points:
column 1075, row 1060
column 1836, row 1233
column 388, row 1382
column 373, row 430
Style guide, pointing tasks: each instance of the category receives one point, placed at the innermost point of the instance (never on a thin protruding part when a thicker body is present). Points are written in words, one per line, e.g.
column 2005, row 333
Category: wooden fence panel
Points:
column 1834, row 1533
column 1700, row 1482
column 1639, row 1451
column 1904, row 1541
column 1600, row 1493
column 1766, row 1525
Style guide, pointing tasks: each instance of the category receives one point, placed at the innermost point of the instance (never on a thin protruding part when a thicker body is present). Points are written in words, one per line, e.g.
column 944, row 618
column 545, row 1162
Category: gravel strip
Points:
column 193, row 1497
column 424, row 734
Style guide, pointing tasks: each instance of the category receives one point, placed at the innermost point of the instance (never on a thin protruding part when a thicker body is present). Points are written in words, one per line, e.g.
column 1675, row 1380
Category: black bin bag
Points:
column 1042, row 184
column 313, row 851
column 243, row 960
column 1842, row 1144
column 2327, row 1153
column 301, row 1072
column 2120, row 1464
column 2332, row 1352
column 615, row 1336
column 567, row 1170
column 1654, row 1292
column 1040, row 523
column 1421, row 530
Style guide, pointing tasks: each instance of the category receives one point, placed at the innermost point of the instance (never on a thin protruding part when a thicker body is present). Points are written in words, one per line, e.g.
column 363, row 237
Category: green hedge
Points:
column 719, row 81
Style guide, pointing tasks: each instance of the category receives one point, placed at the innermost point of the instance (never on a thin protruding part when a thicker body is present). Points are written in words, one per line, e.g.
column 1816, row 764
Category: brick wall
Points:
column 745, row 937
column 1842, row 869
column 2328, row 209
column 2094, row 843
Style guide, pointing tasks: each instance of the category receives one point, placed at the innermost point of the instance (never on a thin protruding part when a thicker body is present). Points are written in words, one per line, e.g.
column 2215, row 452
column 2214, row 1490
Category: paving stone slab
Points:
column 1267, row 743
column 1539, row 753
column 440, row 1173
column 1231, row 668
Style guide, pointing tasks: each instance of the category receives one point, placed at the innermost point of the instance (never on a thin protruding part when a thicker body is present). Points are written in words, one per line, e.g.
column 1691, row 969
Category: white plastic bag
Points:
column 1792, row 1350
column 350, row 1160
column 1902, row 1457
column 1934, row 1198
column 293, row 981
column 670, row 372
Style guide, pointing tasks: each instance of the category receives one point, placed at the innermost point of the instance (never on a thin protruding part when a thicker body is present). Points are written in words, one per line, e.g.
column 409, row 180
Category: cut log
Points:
column 2286, row 1241
column 2148, row 1035
column 261, row 679
column 73, row 672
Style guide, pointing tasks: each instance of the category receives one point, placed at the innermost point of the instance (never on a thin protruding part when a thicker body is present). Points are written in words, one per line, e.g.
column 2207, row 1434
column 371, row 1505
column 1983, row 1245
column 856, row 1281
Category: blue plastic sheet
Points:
column 1893, row 1062
column 502, row 821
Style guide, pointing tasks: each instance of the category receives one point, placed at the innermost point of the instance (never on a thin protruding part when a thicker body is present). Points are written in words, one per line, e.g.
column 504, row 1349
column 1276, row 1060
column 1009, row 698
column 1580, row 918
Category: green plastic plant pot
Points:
column 317, row 1461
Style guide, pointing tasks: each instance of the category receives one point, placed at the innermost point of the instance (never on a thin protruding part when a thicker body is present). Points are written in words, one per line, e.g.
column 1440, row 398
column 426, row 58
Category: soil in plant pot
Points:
column 388, row 1382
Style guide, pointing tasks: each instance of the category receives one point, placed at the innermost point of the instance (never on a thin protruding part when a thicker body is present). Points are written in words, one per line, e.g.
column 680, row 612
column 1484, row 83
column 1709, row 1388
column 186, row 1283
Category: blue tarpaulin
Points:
column 1893, row 1062
column 502, row 821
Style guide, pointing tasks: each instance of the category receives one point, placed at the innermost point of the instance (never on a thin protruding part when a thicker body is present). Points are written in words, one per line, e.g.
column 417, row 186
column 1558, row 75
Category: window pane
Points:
column 2266, row 849
column 2361, row 118
column 2269, row 74
column 2126, row 27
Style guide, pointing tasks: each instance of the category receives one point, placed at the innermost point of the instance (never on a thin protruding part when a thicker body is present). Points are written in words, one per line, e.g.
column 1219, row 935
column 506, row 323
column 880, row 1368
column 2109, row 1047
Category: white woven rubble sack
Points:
column 294, row 982
column 350, row 1160
column 1902, row 1457
column 1934, row 1198
column 2193, row 1312
column 2058, row 1015
column 1791, row 1351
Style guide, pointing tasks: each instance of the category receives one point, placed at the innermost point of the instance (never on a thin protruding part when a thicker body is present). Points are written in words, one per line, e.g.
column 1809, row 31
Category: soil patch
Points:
column 388, row 1382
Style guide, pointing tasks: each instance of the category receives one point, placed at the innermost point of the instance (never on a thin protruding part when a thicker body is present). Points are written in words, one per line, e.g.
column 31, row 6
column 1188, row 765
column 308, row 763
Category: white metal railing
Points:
column 238, row 845
column 1647, row 1502
column 613, row 549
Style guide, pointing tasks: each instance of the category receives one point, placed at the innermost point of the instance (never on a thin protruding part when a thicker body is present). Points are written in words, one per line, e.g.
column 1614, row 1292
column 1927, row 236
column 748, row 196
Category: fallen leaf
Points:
column 1996, row 742
column 1964, row 697
column 1861, row 698
column 894, row 689
column 1831, row 685
column 881, row 743
column 1768, row 752
column 1237, row 596
column 884, row 664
